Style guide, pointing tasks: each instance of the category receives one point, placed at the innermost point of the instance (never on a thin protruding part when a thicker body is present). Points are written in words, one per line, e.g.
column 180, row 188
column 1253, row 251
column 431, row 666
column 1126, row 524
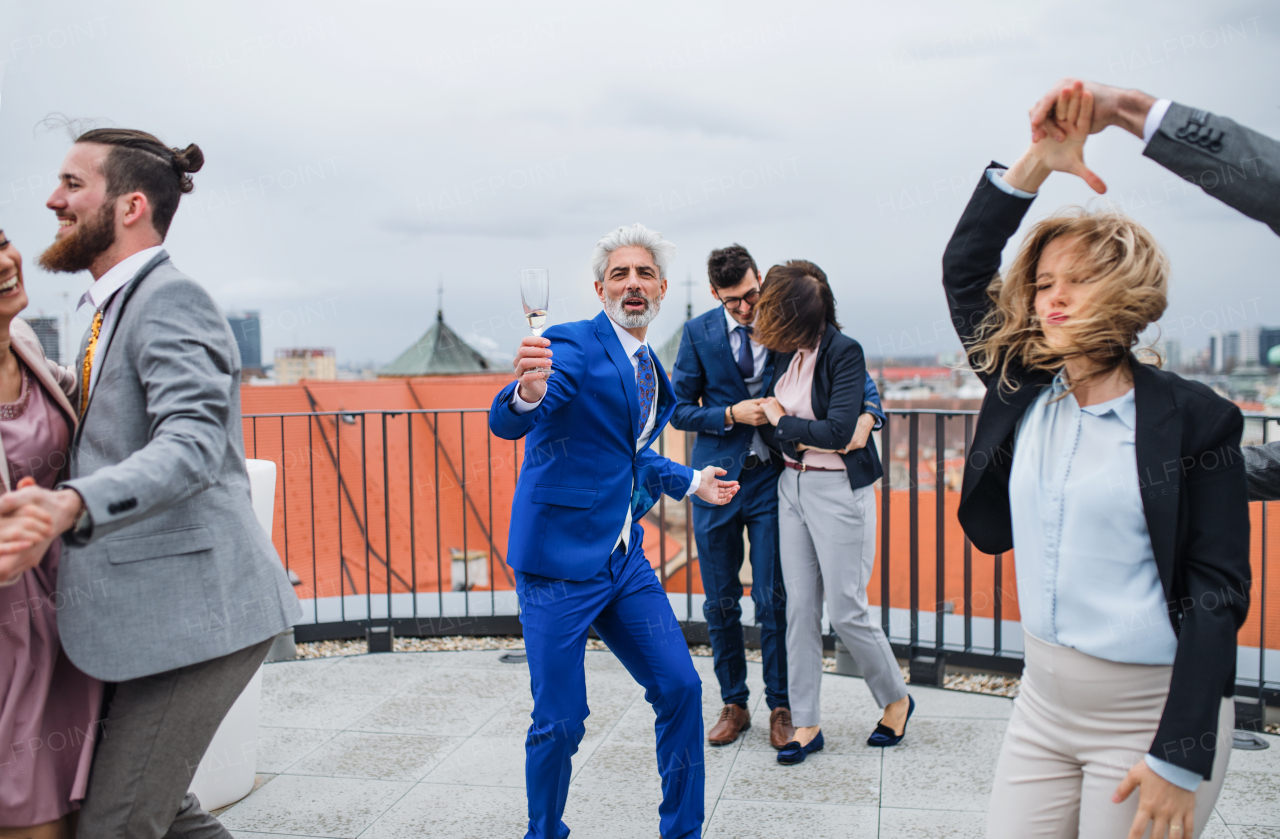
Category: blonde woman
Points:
column 1121, row 489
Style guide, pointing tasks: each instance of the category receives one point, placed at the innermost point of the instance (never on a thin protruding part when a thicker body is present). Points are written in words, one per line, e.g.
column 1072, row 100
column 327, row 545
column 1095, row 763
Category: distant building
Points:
column 293, row 364
column 1268, row 339
column 49, row 333
column 1170, row 350
column 1224, row 351
column 440, row 352
column 1250, row 338
column 247, row 329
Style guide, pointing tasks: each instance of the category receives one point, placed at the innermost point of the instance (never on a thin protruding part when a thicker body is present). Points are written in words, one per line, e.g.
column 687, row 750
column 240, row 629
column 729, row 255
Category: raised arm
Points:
column 542, row 387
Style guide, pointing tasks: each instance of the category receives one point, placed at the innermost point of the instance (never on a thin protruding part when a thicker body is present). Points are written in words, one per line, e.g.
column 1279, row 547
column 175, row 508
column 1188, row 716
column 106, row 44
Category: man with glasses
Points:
column 719, row 375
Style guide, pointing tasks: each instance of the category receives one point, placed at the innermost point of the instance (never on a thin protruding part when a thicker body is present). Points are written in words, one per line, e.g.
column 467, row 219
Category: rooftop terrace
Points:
column 432, row 745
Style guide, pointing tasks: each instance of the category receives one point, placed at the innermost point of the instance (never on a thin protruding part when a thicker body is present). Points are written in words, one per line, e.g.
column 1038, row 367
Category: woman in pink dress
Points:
column 48, row 708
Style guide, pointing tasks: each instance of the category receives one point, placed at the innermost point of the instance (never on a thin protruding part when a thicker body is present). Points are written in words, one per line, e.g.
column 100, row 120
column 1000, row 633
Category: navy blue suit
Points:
column 581, row 472
column 706, row 379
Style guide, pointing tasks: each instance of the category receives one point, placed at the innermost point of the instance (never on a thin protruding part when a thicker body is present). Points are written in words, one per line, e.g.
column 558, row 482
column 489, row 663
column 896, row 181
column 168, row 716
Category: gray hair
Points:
column 637, row 235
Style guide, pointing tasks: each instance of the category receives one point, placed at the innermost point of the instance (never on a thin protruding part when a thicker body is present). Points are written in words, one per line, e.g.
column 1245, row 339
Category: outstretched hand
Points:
column 715, row 491
column 1073, row 113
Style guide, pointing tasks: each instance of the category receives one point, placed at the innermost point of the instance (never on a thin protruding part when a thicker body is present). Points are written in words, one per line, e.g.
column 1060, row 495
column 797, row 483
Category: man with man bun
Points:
column 168, row 589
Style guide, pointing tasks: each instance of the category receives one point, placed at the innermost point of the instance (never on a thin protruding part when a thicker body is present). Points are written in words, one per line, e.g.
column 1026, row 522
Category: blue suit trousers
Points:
column 718, row 531
column 630, row 612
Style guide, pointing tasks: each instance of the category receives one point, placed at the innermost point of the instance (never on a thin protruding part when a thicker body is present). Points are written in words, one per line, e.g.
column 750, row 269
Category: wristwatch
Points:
column 82, row 530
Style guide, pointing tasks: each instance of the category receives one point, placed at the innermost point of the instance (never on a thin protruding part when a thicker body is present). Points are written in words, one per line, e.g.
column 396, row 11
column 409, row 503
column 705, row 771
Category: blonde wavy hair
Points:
column 1111, row 251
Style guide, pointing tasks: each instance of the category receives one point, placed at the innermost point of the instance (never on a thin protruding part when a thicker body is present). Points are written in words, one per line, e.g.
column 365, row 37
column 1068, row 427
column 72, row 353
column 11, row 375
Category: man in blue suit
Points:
column 589, row 475
column 719, row 374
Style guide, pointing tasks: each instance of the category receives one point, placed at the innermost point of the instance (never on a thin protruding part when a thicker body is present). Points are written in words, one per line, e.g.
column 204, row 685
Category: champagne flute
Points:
column 535, row 293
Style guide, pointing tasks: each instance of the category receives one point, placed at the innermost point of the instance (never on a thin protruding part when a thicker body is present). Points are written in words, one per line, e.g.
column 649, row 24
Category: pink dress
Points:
column 794, row 392
column 48, row 708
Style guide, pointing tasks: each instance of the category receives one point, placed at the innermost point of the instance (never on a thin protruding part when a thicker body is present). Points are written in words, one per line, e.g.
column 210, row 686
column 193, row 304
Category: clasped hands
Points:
column 769, row 410
column 31, row 517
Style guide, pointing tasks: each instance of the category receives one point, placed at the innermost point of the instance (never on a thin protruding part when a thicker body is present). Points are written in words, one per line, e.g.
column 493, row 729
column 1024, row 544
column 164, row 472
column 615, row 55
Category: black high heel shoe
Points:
column 883, row 736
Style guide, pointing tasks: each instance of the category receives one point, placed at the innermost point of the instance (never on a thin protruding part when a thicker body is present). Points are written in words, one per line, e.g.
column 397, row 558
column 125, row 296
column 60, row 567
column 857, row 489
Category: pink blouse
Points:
column 795, row 392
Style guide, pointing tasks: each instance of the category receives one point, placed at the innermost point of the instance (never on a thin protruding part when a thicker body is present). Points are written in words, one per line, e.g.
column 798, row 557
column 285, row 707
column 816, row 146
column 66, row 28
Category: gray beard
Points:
column 631, row 320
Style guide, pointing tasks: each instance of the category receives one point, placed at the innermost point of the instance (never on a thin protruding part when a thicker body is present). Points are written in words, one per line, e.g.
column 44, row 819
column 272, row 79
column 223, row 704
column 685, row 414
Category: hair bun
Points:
column 187, row 160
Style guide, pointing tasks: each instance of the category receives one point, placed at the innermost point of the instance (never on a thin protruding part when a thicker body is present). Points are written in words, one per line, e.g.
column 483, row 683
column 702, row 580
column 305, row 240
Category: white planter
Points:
column 227, row 770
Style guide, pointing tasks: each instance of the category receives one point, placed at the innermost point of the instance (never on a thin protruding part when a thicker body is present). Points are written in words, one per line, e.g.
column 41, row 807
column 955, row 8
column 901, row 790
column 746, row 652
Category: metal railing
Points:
column 400, row 518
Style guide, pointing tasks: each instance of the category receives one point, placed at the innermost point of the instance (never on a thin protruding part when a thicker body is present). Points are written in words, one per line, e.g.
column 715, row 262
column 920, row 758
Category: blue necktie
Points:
column 746, row 361
column 646, row 384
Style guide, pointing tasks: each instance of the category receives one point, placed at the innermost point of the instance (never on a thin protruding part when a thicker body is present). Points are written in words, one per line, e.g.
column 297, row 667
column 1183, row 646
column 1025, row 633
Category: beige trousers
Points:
column 1079, row 725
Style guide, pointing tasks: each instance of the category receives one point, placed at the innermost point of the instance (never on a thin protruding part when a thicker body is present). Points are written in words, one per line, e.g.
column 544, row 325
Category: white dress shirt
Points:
column 103, row 293
column 1087, row 575
column 630, row 344
column 759, row 353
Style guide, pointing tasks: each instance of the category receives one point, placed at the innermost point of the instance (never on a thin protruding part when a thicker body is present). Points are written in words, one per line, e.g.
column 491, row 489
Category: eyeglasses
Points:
column 734, row 302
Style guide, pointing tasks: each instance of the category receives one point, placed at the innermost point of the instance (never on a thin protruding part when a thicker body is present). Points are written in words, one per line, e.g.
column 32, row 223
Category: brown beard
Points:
column 79, row 250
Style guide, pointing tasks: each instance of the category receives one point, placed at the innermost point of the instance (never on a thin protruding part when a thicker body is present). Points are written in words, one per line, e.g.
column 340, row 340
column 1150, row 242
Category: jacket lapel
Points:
column 604, row 331
column 666, row 403
column 817, row 393
column 36, row 362
column 1158, row 444
column 717, row 331
column 100, row 353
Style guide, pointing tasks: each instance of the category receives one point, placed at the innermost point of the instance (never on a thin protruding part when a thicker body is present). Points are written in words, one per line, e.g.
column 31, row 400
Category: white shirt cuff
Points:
column 1155, row 116
column 519, row 405
column 996, row 177
column 1175, row 775
column 695, row 483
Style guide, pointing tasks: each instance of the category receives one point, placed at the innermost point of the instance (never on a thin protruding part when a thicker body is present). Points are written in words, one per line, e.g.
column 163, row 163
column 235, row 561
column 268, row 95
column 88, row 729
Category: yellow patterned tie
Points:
column 88, row 362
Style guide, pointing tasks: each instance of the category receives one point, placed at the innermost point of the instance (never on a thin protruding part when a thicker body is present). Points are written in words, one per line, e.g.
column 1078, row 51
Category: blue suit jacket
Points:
column 706, row 381
column 580, row 461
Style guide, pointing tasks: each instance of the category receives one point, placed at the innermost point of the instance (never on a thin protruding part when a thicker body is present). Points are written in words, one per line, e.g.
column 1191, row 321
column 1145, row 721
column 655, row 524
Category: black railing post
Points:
column 998, row 570
column 386, row 508
column 886, row 488
column 940, row 495
column 913, row 472
column 413, row 522
column 284, row 496
column 435, row 437
column 466, row 560
column 968, row 551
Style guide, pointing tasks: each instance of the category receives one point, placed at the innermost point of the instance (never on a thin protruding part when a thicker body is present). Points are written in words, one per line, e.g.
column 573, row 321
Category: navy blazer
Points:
column 706, row 380
column 1190, row 472
column 580, row 461
column 837, row 399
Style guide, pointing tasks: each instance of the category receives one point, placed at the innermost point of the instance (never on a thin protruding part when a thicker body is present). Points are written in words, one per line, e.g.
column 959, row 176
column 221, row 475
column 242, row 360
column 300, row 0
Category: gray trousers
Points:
column 156, row 730
column 827, row 537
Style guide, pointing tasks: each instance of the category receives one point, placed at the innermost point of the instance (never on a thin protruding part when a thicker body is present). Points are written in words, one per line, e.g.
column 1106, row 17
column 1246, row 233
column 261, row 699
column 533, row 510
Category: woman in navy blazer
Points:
column 826, row 504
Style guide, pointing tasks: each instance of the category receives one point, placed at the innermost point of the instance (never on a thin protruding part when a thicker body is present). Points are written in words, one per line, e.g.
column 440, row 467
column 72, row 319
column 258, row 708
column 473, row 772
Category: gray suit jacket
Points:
column 176, row 569
column 1241, row 168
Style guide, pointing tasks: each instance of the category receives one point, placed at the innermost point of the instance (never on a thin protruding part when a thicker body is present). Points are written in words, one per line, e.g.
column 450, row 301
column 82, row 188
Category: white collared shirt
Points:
column 630, row 344
column 103, row 293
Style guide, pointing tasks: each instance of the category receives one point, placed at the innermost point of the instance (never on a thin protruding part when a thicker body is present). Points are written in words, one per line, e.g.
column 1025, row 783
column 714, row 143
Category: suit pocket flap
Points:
column 564, row 496
column 184, row 540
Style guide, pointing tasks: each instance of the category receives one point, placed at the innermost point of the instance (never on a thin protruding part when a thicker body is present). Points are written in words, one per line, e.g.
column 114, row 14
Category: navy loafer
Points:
column 884, row 737
column 794, row 753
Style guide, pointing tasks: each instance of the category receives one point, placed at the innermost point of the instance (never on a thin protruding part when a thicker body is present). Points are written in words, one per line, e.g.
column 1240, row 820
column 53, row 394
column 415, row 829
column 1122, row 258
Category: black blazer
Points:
column 839, row 387
column 1190, row 473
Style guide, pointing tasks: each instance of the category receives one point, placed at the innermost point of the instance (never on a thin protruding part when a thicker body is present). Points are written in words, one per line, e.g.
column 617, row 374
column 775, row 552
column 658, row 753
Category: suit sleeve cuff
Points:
column 1155, row 116
column 520, row 406
column 996, row 176
column 695, row 483
column 1175, row 775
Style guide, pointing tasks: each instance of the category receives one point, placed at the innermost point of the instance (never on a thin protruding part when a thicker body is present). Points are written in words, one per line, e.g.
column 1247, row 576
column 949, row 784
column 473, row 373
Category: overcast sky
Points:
column 356, row 153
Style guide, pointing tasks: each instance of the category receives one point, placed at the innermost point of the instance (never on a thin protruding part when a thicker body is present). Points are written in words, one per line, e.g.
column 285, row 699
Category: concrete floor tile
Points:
column 280, row 748
column 624, row 766
column 821, row 779
column 386, row 757
column 756, row 820
column 936, row 824
column 413, row 713
column 1250, row 798
column 307, row 806
column 951, row 738
column 923, row 782
column 443, row 811
column 937, row 703
column 1217, row 829
column 464, row 683
column 308, row 708
column 483, row 761
column 612, row 814
column 1247, row 832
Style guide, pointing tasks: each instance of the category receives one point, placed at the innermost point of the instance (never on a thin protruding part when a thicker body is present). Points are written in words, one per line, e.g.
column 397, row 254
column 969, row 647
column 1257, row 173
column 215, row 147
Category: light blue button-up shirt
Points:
column 1087, row 575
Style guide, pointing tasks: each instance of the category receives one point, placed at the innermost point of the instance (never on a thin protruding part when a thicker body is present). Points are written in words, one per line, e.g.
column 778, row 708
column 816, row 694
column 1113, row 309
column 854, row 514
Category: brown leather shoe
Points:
column 781, row 731
column 733, row 721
